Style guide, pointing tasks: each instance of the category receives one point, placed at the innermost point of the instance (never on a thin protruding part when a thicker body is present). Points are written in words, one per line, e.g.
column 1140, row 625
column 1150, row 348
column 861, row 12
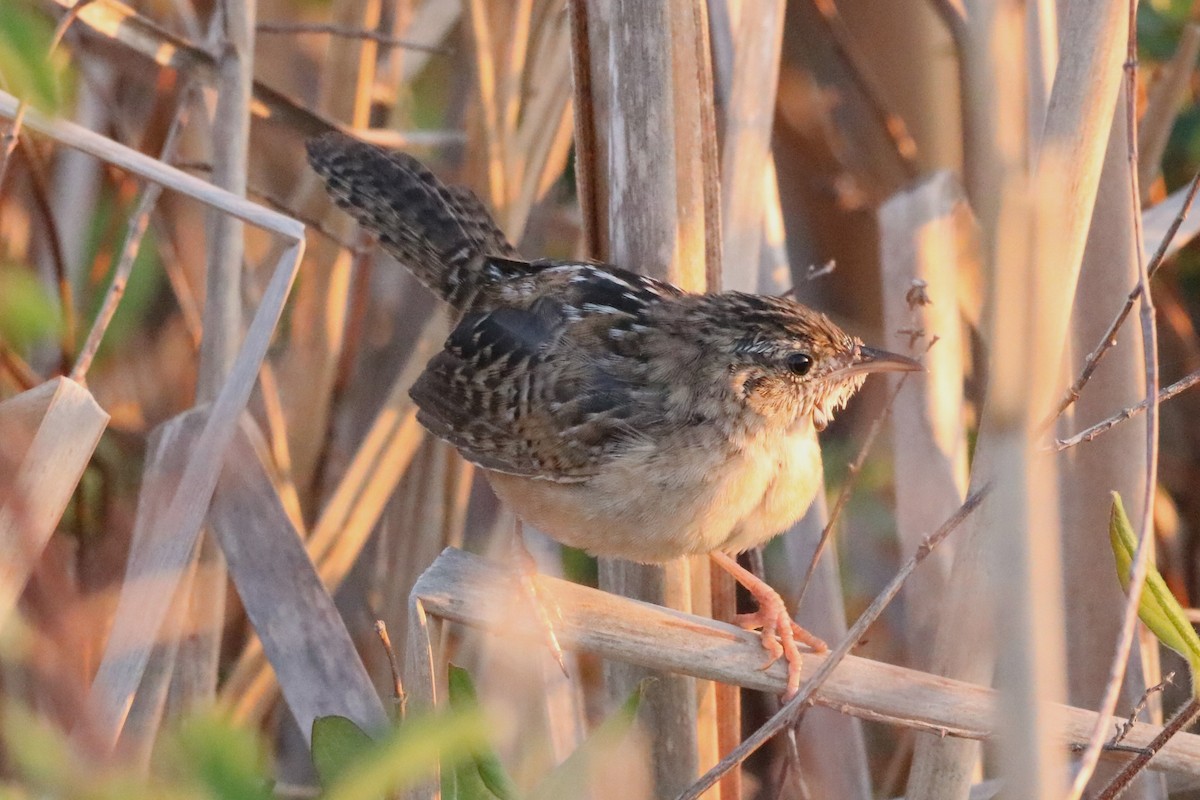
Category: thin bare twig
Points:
column 1130, row 721
column 1110, row 336
column 135, row 231
column 796, row 706
column 1182, row 719
column 1141, row 558
column 1087, row 434
column 350, row 33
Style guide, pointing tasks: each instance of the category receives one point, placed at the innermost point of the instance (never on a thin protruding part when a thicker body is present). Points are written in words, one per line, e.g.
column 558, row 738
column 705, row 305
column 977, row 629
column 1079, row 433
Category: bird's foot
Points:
column 781, row 635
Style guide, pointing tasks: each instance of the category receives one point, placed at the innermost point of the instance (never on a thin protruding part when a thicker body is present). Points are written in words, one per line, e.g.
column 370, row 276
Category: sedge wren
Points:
column 617, row 413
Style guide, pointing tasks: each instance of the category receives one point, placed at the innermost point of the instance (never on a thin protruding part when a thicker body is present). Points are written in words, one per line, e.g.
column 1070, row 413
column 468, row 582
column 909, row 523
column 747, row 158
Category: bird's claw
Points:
column 780, row 636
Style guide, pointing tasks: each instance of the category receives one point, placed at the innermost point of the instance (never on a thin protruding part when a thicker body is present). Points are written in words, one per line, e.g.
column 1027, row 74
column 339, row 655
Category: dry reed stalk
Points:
column 472, row 591
column 645, row 166
column 495, row 140
column 1142, row 556
column 1109, row 269
column 194, row 683
column 926, row 239
column 1070, row 154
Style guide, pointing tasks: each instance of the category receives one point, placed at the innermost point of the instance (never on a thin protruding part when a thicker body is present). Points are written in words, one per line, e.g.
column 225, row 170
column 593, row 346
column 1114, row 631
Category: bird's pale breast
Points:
column 693, row 498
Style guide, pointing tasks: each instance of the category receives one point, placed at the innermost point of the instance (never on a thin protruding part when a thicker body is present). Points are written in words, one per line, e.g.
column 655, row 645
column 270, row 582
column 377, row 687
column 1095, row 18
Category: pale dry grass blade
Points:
column 47, row 436
column 349, row 515
column 467, row 589
column 166, row 457
column 542, row 141
column 144, row 166
column 142, row 606
column 421, row 677
column 495, row 147
column 302, row 632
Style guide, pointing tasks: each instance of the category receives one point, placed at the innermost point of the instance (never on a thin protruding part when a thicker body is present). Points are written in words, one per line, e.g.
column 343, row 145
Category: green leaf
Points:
column 25, row 69
column 409, row 754
column 226, row 760
column 28, row 313
column 1157, row 608
column 569, row 776
column 336, row 744
column 35, row 750
column 464, row 698
column 463, row 782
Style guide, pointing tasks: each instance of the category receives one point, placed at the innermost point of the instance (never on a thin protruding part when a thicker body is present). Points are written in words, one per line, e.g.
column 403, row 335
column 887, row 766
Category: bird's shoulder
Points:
column 543, row 377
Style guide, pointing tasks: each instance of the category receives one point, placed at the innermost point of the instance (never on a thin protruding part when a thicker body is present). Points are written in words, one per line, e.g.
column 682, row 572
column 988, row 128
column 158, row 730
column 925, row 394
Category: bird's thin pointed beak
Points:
column 870, row 359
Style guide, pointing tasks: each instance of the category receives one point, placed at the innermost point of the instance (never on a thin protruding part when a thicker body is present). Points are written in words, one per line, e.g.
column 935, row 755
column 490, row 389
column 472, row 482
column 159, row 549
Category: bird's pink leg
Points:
column 779, row 632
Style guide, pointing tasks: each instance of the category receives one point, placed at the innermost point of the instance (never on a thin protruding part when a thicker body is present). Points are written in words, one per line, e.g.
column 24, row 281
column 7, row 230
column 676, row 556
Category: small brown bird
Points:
column 617, row 413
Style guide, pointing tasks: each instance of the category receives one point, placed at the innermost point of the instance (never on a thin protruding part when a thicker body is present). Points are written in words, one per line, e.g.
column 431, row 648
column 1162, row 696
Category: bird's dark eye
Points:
column 799, row 363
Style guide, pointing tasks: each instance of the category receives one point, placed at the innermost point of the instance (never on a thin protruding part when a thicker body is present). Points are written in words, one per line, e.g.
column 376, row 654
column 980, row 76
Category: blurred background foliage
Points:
column 832, row 182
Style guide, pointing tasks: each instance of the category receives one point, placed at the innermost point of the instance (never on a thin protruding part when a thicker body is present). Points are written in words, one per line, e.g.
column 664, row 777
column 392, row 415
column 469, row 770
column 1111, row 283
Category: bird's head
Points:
column 785, row 361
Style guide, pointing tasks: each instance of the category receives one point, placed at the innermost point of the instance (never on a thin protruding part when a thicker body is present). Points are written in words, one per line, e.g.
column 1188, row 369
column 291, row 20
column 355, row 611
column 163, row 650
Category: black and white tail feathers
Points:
column 442, row 233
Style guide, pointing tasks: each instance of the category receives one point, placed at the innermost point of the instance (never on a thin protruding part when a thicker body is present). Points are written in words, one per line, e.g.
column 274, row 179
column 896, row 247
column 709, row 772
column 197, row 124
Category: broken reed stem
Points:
column 1182, row 720
column 1110, row 336
column 1141, row 558
column 1087, row 434
column 399, row 698
column 795, row 707
column 350, row 33
column 134, row 233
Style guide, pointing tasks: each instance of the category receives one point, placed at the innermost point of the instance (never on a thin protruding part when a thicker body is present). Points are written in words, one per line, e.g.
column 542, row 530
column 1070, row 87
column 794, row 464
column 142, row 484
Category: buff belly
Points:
column 644, row 509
